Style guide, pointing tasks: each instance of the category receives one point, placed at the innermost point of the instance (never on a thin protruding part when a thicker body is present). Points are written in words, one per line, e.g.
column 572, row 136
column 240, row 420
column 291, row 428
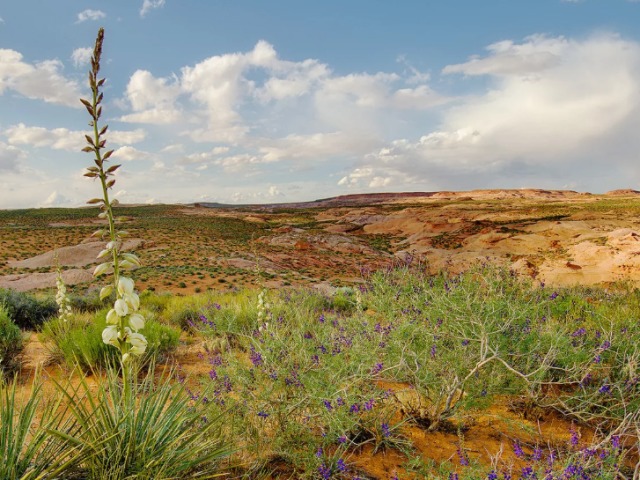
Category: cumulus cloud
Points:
column 553, row 104
column 128, row 153
column 152, row 99
column 10, row 157
column 149, row 5
column 320, row 146
column 218, row 91
column 90, row 14
column 81, row 56
column 63, row 138
column 41, row 81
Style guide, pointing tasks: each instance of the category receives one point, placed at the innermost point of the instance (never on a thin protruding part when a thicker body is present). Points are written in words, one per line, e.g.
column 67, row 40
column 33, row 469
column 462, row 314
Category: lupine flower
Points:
column 492, row 475
column 327, row 405
column 605, row 389
column 325, row 472
column 263, row 414
column 517, row 450
column 340, row 465
column 464, row 461
column 385, row 430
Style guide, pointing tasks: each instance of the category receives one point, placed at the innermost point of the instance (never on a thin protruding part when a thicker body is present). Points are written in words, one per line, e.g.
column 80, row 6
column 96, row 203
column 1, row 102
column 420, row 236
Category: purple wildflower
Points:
column 605, row 389
column 327, row 405
column 340, row 465
column 377, row 368
column 263, row 414
column 492, row 475
column 517, row 450
column 369, row 404
column 256, row 357
column 355, row 408
column 575, row 439
column 342, row 439
column 385, row 430
column 615, row 441
column 553, row 296
column 324, row 471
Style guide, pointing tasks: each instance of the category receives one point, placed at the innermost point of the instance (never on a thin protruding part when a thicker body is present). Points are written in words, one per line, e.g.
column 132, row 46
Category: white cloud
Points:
column 149, row 5
column 128, row 153
column 536, row 54
column 55, row 199
column 204, row 157
column 554, row 105
column 152, row 99
column 319, row 146
column 218, row 91
column 41, row 81
column 63, row 138
column 10, row 157
column 81, row 56
column 90, row 15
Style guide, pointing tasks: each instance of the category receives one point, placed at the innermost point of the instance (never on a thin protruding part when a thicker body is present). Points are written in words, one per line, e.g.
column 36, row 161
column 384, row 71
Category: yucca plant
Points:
column 124, row 321
column 28, row 450
column 157, row 432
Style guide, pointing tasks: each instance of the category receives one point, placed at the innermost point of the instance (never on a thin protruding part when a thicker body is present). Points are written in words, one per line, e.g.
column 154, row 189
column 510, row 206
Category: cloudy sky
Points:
column 249, row 101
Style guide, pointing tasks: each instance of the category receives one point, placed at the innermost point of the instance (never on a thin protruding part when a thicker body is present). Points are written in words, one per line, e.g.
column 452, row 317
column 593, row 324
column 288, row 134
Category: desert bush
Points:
column 11, row 342
column 27, row 311
column 79, row 341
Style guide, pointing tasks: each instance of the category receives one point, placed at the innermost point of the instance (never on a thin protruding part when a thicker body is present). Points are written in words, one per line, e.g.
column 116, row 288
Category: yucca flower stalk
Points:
column 62, row 300
column 123, row 319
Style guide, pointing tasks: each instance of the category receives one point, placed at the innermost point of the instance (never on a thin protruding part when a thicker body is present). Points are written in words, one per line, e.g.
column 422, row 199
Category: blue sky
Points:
column 254, row 101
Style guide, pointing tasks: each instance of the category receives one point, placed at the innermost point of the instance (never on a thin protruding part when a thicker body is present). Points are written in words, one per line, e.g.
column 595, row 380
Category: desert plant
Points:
column 27, row 311
column 124, row 321
column 152, row 431
column 11, row 343
column 78, row 341
column 27, row 449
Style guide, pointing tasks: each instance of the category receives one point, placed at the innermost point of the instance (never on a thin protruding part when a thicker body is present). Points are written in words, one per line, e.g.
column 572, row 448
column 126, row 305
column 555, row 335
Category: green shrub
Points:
column 80, row 340
column 10, row 341
column 27, row 311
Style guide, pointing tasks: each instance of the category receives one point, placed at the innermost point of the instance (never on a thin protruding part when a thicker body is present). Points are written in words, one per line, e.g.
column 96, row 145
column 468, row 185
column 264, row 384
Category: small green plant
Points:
column 78, row 341
column 11, row 343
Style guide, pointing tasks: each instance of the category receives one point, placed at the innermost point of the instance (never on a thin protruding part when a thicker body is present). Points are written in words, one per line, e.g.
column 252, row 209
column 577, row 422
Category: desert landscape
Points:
column 204, row 266
column 561, row 238
column 174, row 305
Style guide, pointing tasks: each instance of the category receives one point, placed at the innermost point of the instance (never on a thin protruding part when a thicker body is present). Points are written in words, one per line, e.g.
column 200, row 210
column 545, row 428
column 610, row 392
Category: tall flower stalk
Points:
column 124, row 321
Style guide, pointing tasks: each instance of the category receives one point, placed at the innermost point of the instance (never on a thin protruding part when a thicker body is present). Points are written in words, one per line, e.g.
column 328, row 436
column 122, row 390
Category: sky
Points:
column 254, row 101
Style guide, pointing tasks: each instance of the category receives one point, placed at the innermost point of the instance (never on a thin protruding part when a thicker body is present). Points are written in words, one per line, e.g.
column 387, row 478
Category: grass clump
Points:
column 78, row 341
